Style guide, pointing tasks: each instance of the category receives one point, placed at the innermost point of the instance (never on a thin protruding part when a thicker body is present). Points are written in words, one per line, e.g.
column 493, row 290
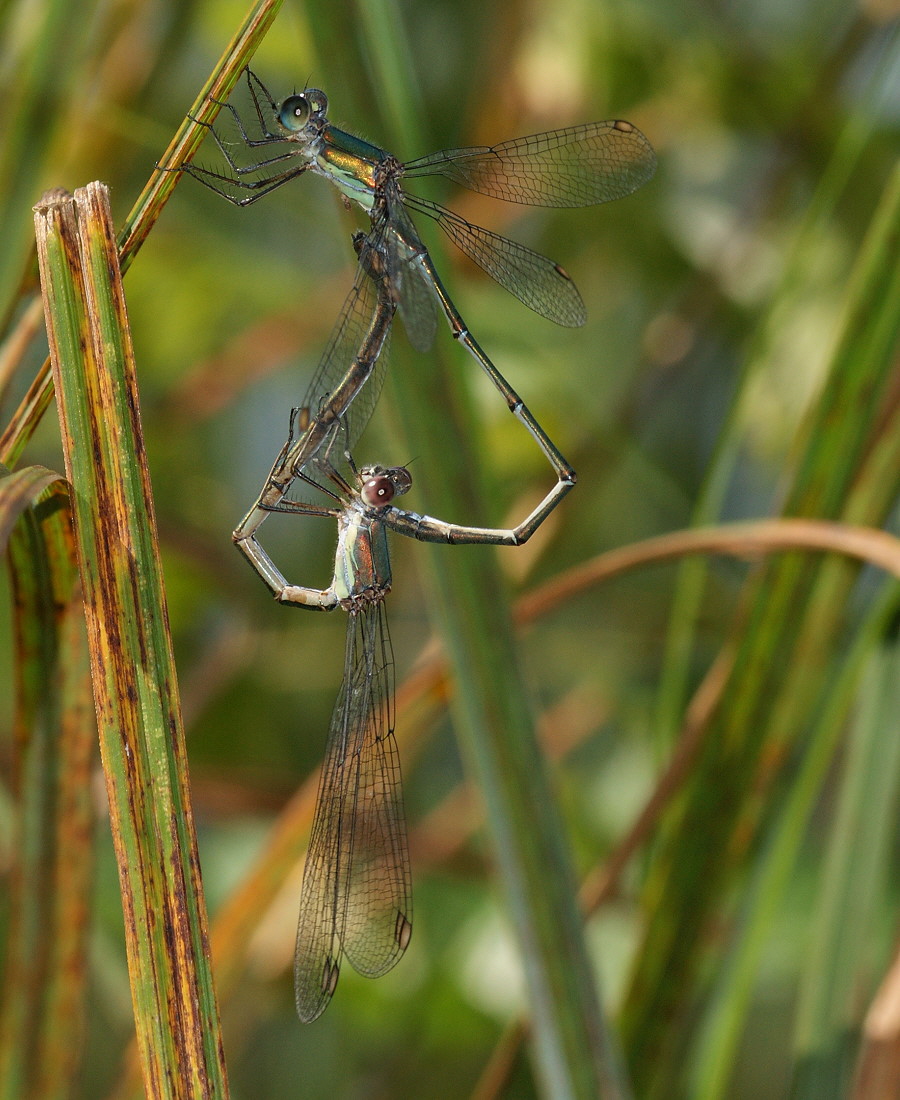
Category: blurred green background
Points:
column 714, row 298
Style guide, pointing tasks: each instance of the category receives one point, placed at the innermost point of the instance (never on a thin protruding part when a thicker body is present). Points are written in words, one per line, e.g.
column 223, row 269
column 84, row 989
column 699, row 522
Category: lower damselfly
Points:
column 356, row 897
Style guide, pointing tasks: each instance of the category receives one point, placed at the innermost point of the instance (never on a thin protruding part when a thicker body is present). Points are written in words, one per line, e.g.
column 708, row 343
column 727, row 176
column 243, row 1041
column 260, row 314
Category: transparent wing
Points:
column 412, row 290
column 357, row 892
column 535, row 280
column 577, row 166
column 352, row 366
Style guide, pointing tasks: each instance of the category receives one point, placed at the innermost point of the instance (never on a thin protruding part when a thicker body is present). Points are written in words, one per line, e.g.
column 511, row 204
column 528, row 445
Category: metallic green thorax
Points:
column 350, row 163
column 362, row 567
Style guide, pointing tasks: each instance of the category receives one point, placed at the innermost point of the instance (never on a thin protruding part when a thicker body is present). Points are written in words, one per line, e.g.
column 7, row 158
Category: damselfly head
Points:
column 298, row 111
column 380, row 486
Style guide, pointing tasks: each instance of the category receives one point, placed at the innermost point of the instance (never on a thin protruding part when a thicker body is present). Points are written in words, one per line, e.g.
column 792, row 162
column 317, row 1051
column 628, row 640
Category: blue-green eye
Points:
column 294, row 113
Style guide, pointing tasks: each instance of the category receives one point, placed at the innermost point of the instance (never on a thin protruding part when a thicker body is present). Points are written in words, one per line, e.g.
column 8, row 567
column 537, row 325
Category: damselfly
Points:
column 574, row 167
column 356, row 897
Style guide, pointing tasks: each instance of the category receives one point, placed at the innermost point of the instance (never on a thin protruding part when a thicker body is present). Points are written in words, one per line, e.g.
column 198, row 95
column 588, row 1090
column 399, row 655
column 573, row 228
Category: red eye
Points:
column 378, row 491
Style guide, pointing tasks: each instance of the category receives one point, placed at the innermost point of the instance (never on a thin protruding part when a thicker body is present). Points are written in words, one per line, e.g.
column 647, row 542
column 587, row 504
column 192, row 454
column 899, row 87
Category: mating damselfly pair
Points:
column 356, row 893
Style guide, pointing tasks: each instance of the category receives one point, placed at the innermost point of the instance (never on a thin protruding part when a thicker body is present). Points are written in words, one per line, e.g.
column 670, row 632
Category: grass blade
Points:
column 135, row 690
column 50, row 879
column 574, row 1052
column 841, row 943
column 727, row 1012
column 847, row 464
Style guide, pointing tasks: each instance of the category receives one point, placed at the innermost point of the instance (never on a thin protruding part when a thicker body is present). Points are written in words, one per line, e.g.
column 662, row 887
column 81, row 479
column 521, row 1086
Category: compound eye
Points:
column 318, row 101
column 402, row 480
column 294, row 113
column 378, row 491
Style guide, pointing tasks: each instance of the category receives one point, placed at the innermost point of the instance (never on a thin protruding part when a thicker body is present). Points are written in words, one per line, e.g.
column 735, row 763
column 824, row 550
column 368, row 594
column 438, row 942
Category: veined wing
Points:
column 578, row 166
column 350, row 374
column 412, row 290
column 357, row 892
column 535, row 280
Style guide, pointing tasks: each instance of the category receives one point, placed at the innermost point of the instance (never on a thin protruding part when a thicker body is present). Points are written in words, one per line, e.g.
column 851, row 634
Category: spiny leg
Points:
column 250, row 143
column 260, row 187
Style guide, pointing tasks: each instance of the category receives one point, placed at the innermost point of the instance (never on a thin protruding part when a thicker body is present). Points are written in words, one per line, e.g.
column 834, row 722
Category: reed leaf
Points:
column 135, row 689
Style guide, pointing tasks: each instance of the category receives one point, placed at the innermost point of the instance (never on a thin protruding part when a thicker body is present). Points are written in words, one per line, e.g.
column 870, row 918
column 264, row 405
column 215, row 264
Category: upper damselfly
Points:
column 573, row 167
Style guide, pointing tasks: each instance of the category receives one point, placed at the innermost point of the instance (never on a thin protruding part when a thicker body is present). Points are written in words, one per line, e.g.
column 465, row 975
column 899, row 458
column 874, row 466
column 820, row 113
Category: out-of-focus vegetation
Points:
column 740, row 361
